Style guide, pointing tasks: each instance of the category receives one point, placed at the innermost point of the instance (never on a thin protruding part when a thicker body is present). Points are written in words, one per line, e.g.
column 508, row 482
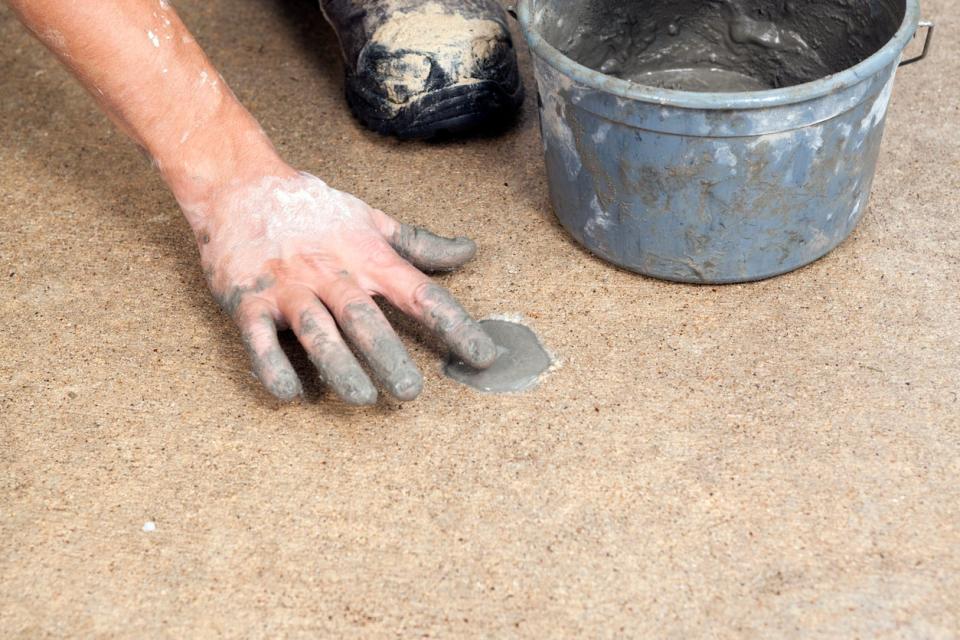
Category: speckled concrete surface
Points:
column 770, row 460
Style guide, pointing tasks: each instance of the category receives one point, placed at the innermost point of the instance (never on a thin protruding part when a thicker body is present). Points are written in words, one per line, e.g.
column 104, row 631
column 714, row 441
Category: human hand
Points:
column 290, row 251
column 280, row 248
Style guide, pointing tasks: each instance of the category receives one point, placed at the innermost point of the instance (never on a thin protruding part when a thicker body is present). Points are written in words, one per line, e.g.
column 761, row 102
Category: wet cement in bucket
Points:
column 719, row 45
column 521, row 360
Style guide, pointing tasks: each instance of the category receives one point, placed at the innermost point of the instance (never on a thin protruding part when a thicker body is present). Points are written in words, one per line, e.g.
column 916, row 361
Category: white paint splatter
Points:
column 56, row 41
column 857, row 207
column 819, row 241
column 149, row 527
column 879, row 108
column 296, row 208
column 556, row 132
column 601, row 134
column 600, row 219
column 724, row 155
column 815, row 137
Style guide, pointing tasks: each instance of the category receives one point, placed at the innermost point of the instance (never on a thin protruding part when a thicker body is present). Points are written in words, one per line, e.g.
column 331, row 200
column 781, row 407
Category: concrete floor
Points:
column 770, row 460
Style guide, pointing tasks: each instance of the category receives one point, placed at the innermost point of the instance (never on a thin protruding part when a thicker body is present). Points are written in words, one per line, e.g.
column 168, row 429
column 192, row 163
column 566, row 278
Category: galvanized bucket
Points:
column 711, row 187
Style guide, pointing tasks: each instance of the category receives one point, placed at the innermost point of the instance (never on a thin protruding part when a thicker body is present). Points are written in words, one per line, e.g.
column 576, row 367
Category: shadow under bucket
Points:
column 713, row 141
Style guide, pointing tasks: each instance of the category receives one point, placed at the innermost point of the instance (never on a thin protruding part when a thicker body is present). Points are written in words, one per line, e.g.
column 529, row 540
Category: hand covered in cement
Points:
column 290, row 251
column 280, row 248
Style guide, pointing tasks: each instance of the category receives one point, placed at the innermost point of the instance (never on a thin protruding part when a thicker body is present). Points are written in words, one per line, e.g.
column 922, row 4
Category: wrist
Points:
column 227, row 151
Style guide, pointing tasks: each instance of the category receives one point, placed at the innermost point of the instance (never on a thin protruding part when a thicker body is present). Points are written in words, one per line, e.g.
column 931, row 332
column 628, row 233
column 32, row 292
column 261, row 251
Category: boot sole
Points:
column 478, row 107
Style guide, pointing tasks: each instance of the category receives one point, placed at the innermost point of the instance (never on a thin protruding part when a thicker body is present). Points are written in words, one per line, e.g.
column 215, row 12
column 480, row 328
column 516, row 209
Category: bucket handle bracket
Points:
column 928, row 25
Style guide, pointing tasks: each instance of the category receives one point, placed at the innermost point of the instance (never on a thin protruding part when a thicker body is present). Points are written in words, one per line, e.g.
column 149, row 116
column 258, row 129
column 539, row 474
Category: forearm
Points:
column 141, row 64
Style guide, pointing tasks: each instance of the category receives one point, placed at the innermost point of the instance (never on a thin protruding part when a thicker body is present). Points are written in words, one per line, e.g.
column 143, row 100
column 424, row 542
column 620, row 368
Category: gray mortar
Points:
column 521, row 360
column 719, row 45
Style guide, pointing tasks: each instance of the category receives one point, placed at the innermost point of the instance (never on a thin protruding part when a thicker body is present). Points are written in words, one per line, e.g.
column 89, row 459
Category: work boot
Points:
column 418, row 68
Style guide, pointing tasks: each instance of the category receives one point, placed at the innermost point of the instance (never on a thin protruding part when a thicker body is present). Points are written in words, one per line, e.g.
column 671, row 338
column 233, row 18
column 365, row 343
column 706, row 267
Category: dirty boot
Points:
column 418, row 68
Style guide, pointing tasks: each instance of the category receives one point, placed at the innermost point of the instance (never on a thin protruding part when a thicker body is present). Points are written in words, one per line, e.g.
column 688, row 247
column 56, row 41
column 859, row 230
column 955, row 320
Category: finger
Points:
column 270, row 364
column 418, row 296
column 424, row 249
column 430, row 252
column 336, row 364
column 363, row 323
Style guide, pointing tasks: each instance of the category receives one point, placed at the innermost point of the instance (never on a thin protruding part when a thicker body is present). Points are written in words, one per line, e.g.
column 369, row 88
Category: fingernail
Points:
column 483, row 352
column 286, row 388
column 408, row 387
column 467, row 244
column 359, row 391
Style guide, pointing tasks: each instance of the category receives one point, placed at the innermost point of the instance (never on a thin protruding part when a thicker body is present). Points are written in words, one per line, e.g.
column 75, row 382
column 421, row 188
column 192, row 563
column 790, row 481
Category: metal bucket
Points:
column 710, row 187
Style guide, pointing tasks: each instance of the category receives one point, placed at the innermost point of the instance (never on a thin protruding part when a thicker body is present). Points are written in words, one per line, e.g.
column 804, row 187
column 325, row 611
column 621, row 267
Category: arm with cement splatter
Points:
column 280, row 248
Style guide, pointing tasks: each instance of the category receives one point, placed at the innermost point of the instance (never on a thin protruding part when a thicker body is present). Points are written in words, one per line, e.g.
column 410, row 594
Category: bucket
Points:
column 714, row 141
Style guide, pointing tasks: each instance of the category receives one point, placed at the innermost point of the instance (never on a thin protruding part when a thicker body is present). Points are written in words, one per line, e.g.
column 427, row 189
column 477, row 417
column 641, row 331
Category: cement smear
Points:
column 719, row 45
column 699, row 79
column 521, row 360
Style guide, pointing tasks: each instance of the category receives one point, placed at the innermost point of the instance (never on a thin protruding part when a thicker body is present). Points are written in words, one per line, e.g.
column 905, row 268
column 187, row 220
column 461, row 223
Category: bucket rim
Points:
column 839, row 81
